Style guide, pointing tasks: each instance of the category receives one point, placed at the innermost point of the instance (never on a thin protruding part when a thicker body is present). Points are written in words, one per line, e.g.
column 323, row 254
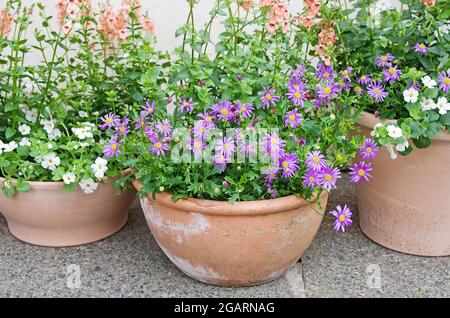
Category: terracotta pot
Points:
column 48, row 215
column 406, row 205
column 239, row 244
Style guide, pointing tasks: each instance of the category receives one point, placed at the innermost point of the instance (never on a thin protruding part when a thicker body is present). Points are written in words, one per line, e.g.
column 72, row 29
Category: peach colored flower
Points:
column 6, row 21
column 429, row 3
column 148, row 26
column 246, row 4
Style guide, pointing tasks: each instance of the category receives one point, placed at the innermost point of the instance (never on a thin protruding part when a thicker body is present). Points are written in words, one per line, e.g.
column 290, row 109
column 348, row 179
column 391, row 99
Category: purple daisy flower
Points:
column 164, row 127
column 293, row 119
column 343, row 218
column 289, row 165
column 197, row 147
column 420, row 48
column 346, row 73
column 271, row 174
column 149, row 108
column 360, row 171
column 223, row 110
column 343, row 85
column 159, row 147
column 328, row 177
column 245, row 110
column 109, row 121
column 315, row 160
column 220, row 161
column 296, row 94
column 326, row 91
column 268, row 97
column 444, row 81
column 298, row 72
column 384, row 60
column 208, row 119
column 325, row 72
column 272, row 191
column 364, row 79
column 225, row 147
column 392, row 74
column 200, row 129
column 311, row 179
column 273, row 144
column 151, row 134
column 112, row 148
column 376, row 91
column 123, row 129
column 358, row 90
column 368, row 150
column 300, row 141
column 142, row 120
column 186, row 105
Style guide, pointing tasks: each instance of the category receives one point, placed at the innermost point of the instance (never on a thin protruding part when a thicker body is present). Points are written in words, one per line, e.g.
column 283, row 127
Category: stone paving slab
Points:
column 130, row 264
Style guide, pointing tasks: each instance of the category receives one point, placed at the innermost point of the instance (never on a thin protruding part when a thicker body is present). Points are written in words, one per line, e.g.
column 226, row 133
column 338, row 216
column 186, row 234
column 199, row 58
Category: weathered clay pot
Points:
column 239, row 244
column 48, row 215
column 406, row 205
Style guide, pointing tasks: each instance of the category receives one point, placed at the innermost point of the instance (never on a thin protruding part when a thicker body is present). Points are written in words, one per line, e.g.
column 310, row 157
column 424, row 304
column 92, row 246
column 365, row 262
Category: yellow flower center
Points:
column 203, row 129
column 368, row 149
column 361, row 172
column 50, row 161
column 224, row 112
column 196, row 145
column 297, row 95
column 158, row 145
column 392, row 70
column 345, row 72
column 327, row 90
column 363, row 78
column 328, row 177
column 421, row 46
column 225, row 146
column 243, row 109
column 447, row 80
column 285, row 164
column 312, row 178
column 384, row 58
column 272, row 175
column 185, row 104
column 108, row 120
column 273, row 140
column 316, row 159
column 268, row 96
column 377, row 90
column 342, row 217
column 122, row 129
column 165, row 127
column 208, row 119
column 326, row 75
column 292, row 118
column 113, row 147
column 357, row 89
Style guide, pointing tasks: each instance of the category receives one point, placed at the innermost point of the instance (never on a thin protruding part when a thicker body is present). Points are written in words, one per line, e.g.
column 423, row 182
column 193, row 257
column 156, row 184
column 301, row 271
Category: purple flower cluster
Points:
column 319, row 174
column 361, row 171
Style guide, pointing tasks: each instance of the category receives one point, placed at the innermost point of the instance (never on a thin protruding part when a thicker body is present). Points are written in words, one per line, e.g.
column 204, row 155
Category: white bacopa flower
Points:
column 50, row 161
column 69, row 178
column 410, row 95
column 443, row 105
column 99, row 167
column 50, row 146
column 83, row 132
column 31, row 115
column 48, row 125
column 428, row 82
column 54, row 134
column 84, row 144
column 394, row 131
column 427, row 104
column 24, row 129
column 25, row 142
column 11, row 146
column 402, row 147
column 83, row 114
column 88, row 186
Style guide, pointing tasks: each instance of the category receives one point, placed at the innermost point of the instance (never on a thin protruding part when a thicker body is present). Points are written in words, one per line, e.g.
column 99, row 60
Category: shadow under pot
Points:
column 48, row 215
column 233, row 244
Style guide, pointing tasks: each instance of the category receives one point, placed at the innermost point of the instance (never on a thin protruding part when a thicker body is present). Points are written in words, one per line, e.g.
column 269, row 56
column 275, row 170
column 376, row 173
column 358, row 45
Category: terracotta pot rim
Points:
column 212, row 207
column 60, row 184
column 369, row 120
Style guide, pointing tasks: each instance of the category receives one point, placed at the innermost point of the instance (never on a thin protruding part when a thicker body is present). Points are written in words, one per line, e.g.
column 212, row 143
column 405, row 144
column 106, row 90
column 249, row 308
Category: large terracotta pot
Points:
column 406, row 205
column 239, row 244
column 48, row 215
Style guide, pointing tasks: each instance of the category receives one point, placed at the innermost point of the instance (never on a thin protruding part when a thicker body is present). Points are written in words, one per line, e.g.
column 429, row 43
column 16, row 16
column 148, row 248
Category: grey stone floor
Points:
column 130, row 264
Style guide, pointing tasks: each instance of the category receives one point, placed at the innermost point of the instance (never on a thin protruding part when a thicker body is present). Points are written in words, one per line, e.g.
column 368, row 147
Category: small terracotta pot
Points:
column 48, row 215
column 233, row 244
column 406, row 205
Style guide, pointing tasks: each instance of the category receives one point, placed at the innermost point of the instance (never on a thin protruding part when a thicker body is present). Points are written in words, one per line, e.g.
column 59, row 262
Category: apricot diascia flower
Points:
column 6, row 21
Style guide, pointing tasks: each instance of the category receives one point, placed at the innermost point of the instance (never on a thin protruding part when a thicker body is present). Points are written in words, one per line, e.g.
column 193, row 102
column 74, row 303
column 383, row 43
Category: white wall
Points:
column 167, row 15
